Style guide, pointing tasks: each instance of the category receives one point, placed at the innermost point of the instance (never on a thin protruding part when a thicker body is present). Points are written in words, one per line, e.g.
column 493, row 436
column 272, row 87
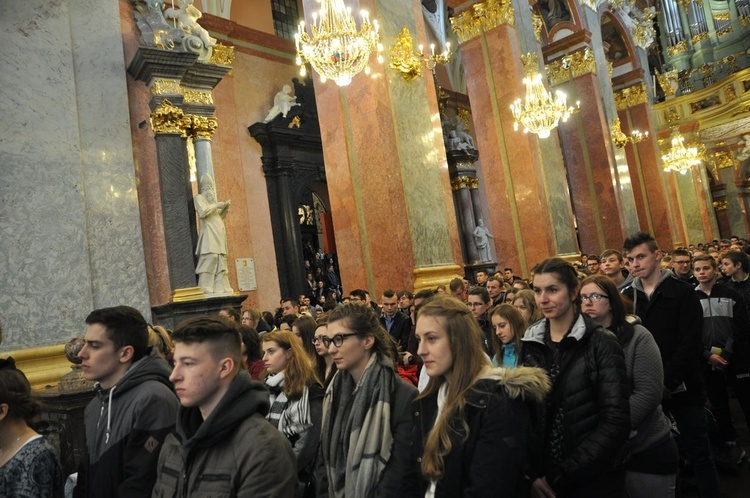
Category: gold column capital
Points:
column 203, row 126
column 631, row 96
column 482, row 17
column 461, row 182
column 571, row 66
column 168, row 119
column 222, row 55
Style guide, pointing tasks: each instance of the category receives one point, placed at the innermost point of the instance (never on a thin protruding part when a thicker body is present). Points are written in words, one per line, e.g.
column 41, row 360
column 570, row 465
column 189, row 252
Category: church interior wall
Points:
column 71, row 238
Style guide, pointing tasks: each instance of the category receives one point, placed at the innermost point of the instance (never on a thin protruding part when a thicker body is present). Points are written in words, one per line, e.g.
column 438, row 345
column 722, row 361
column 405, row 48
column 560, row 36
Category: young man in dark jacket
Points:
column 725, row 351
column 222, row 445
column 669, row 309
column 133, row 409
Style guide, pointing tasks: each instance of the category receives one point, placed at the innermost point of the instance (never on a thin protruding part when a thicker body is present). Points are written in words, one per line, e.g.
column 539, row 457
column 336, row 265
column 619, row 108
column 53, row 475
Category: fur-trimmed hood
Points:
column 525, row 383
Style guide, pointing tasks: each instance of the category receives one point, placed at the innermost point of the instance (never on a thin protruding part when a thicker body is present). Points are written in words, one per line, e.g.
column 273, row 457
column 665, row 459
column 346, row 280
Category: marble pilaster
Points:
column 736, row 217
column 71, row 235
column 386, row 169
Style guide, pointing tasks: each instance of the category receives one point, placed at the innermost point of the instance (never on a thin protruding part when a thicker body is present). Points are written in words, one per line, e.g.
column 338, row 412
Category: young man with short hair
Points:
column 222, row 445
column 611, row 265
column 682, row 266
column 734, row 264
column 481, row 277
column 458, row 288
column 404, row 301
column 670, row 310
column 725, row 351
column 495, row 290
column 289, row 306
column 133, row 408
column 396, row 323
column 358, row 296
column 593, row 264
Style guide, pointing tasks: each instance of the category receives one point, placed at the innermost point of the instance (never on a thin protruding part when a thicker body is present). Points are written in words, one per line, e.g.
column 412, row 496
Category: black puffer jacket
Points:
column 590, row 394
column 488, row 460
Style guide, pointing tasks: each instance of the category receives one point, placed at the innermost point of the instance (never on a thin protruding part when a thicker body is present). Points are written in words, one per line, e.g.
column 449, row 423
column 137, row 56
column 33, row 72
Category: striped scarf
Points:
column 356, row 440
column 291, row 417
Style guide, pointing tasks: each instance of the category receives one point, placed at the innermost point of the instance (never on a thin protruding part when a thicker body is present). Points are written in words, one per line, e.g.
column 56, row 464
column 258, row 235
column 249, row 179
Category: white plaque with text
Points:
column 246, row 274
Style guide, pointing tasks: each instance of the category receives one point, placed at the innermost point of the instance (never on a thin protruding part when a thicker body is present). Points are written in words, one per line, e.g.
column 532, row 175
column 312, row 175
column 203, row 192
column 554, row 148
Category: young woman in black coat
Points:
column 585, row 420
column 472, row 421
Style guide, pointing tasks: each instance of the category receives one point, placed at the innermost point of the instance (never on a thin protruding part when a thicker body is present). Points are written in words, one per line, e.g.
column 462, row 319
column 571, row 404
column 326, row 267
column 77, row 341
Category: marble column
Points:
column 649, row 188
column 386, row 169
column 736, row 218
column 512, row 164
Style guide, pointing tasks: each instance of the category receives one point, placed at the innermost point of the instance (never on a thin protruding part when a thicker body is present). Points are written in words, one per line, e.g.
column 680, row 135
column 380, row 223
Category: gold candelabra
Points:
column 621, row 139
column 410, row 63
column 335, row 49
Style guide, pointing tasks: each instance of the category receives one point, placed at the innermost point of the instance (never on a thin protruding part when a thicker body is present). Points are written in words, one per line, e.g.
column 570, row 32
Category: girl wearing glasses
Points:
column 367, row 422
column 296, row 398
column 508, row 324
column 324, row 367
column 652, row 459
column 585, row 419
column 472, row 420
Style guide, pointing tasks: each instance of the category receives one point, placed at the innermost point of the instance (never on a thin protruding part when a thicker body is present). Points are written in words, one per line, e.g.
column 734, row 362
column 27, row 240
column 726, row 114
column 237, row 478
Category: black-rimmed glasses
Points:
column 594, row 298
column 337, row 340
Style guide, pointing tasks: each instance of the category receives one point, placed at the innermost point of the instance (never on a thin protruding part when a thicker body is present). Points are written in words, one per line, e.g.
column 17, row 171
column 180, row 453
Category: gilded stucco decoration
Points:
column 482, row 17
column 640, row 23
column 571, row 66
column 222, row 55
column 464, row 182
column 699, row 37
column 631, row 96
column 162, row 86
column 677, row 48
column 721, row 205
column 198, row 97
column 723, row 159
column 169, row 119
column 203, row 126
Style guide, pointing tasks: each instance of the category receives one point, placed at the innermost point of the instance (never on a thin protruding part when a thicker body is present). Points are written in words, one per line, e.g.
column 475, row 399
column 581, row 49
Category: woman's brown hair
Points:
column 527, row 296
column 469, row 361
column 517, row 323
column 298, row 372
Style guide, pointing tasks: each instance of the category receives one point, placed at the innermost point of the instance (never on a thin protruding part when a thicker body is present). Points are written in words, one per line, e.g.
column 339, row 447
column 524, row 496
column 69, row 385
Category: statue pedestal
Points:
column 171, row 314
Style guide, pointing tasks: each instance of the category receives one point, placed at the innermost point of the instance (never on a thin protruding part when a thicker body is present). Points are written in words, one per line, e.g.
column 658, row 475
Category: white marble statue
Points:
column 482, row 242
column 745, row 152
column 212, row 267
column 456, row 137
column 282, row 104
column 187, row 16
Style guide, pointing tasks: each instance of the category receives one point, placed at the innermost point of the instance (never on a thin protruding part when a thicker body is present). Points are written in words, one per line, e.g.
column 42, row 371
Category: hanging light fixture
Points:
column 541, row 112
column 681, row 158
column 335, row 49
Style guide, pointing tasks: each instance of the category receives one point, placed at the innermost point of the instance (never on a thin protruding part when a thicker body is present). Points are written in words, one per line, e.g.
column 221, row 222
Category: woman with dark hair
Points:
column 304, row 328
column 28, row 464
column 524, row 301
column 251, row 352
column 509, row 325
column 230, row 313
column 585, row 419
column 472, row 420
column 296, row 398
column 367, row 420
column 267, row 317
column 324, row 367
column 652, row 459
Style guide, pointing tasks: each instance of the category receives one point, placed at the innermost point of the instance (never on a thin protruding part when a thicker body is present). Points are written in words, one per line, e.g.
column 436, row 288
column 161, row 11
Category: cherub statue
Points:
column 282, row 104
column 187, row 18
column 745, row 152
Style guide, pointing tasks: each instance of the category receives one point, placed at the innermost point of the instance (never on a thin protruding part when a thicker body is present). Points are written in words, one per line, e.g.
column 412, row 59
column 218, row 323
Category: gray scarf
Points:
column 356, row 442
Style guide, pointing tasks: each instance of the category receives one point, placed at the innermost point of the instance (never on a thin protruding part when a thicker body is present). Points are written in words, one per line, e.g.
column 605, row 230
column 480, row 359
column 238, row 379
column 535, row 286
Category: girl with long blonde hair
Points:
column 472, row 420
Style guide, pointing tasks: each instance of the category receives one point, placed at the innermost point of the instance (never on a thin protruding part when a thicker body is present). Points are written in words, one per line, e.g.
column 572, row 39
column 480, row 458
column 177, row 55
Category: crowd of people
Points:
column 590, row 379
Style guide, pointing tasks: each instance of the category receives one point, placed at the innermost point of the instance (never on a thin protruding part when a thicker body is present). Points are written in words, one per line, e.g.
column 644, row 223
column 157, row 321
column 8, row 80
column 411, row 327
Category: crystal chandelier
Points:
column 621, row 140
column 681, row 158
column 541, row 112
column 336, row 50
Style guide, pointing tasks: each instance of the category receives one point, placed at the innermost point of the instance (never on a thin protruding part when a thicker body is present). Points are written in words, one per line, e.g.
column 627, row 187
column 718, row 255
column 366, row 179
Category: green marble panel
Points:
column 734, row 204
column 690, row 209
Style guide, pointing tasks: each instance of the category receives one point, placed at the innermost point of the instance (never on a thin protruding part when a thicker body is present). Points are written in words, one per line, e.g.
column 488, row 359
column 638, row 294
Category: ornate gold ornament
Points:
column 668, row 81
column 198, row 97
column 464, row 116
column 723, row 159
column 621, row 140
column 482, row 17
column 335, row 49
column 169, row 119
column 295, row 123
column 681, row 158
column 744, row 21
column 162, row 86
column 729, row 93
column 699, row 38
column 460, row 182
column 571, row 66
column 721, row 205
column 538, row 22
column 540, row 112
column 720, row 16
column 202, row 126
column 677, row 49
column 222, row 55
column 725, row 30
column 631, row 96
column 405, row 60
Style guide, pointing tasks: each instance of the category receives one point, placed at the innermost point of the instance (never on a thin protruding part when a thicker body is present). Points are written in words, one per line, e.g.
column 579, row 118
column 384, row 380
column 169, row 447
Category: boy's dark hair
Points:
column 405, row 293
column 232, row 312
column 359, row 293
column 706, row 257
column 455, row 284
column 481, row 292
column 221, row 333
column 288, row 319
column 508, row 269
column 680, row 252
column 125, row 326
column 389, row 293
column 425, row 294
column 640, row 238
column 612, row 252
column 294, row 302
column 329, row 305
column 594, row 257
column 737, row 257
